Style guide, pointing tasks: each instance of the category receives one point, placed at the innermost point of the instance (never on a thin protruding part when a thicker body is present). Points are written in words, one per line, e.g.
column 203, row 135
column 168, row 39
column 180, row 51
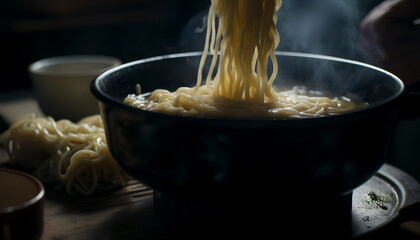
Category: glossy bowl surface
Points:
column 220, row 159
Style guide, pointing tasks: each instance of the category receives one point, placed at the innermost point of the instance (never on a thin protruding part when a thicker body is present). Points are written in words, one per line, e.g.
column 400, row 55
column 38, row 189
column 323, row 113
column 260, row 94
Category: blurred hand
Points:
column 391, row 38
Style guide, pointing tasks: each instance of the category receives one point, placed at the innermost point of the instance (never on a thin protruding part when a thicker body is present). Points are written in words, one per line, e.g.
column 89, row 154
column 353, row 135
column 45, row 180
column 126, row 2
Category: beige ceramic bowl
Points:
column 21, row 205
column 62, row 84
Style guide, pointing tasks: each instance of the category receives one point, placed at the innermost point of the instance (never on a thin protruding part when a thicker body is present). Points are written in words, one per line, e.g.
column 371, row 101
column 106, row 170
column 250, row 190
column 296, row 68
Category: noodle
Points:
column 246, row 38
column 73, row 154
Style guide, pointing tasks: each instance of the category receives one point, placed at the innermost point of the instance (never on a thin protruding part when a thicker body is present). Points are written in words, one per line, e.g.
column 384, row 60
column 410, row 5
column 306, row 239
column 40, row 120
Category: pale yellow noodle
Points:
column 246, row 37
column 73, row 154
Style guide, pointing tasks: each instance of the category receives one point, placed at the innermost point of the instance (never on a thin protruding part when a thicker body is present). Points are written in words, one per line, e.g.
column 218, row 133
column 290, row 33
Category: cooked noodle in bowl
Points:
column 299, row 102
column 246, row 37
column 246, row 123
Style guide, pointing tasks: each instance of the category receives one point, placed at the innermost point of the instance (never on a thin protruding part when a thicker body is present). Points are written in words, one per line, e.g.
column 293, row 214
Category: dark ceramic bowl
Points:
column 21, row 205
column 219, row 160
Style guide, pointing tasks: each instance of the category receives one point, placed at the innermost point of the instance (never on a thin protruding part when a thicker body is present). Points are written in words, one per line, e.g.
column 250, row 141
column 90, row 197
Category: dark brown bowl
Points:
column 21, row 205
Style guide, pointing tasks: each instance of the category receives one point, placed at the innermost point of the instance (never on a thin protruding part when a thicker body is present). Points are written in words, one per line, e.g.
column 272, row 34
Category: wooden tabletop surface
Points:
column 125, row 213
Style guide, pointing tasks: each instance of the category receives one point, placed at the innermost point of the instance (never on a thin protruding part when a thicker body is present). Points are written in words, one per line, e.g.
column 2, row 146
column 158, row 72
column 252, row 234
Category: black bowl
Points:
column 219, row 160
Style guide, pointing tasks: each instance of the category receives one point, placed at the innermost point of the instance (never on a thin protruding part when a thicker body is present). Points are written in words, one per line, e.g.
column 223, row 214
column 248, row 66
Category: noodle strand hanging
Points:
column 246, row 38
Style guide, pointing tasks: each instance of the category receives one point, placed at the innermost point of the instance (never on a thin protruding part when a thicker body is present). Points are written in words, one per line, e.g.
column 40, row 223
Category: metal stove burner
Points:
column 378, row 202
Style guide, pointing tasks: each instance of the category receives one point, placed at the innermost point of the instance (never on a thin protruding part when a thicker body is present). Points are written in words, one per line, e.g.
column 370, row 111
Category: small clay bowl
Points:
column 21, row 205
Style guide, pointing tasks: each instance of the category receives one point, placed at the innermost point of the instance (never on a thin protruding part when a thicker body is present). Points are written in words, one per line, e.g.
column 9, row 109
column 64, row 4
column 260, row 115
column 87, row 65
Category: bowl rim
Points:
column 30, row 202
column 108, row 99
column 34, row 68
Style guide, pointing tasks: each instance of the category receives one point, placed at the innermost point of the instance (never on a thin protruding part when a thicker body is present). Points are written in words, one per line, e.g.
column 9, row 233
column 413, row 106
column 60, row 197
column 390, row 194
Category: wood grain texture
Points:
column 126, row 213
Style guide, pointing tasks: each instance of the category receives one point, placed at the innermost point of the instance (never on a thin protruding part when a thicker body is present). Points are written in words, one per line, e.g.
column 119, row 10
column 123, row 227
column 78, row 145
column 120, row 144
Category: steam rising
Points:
column 326, row 27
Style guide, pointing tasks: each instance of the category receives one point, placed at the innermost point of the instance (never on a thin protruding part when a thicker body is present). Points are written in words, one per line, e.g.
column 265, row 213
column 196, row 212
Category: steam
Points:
column 326, row 27
column 194, row 33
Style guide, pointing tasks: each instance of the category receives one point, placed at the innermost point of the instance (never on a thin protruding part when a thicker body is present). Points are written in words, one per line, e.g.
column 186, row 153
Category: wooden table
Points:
column 125, row 213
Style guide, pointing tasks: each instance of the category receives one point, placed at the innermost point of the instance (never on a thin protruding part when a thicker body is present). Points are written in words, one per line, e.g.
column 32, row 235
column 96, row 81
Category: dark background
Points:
column 133, row 29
